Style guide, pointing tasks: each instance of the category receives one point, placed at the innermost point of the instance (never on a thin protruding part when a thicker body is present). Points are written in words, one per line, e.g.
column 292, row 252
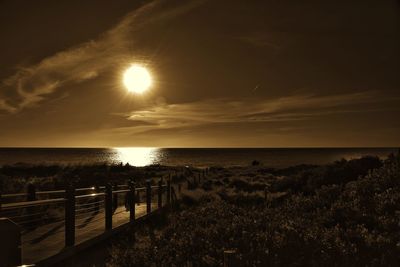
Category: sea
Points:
column 196, row 157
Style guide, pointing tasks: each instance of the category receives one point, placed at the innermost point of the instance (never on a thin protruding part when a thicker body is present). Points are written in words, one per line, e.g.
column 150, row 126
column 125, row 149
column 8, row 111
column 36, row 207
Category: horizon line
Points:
column 205, row 147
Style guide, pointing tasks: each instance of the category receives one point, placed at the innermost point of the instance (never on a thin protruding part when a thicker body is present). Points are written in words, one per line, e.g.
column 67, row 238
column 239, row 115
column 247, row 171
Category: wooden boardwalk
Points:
column 48, row 240
column 63, row 222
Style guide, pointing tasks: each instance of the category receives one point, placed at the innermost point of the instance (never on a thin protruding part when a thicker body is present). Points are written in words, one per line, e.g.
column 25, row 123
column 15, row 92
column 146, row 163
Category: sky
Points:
column 226, row 73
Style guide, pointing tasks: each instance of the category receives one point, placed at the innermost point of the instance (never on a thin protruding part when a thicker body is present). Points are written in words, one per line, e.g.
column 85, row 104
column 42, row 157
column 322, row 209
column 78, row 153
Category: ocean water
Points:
column 199, row 157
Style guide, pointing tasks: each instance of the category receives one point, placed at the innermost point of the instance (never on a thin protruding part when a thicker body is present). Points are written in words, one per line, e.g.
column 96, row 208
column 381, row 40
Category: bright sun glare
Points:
column 137, row 79
column 137, row 156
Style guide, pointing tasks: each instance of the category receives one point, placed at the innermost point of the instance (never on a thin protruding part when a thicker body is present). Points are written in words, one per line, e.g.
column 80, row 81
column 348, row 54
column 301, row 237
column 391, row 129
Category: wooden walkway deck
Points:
column 48, row 240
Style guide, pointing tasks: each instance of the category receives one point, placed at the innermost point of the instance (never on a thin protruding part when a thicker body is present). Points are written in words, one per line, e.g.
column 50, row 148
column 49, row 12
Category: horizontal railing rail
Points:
column 141, row 189
column 49, row 192
column 24, row 204
column 90, row 195
column 121, row 191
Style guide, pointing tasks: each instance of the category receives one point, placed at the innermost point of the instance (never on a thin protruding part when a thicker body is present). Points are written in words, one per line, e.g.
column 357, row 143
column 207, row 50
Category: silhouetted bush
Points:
column 308, row 179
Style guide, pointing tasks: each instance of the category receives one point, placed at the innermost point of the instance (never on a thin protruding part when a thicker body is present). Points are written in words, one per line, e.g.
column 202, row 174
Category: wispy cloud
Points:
column 222, row 111
column 31, row 85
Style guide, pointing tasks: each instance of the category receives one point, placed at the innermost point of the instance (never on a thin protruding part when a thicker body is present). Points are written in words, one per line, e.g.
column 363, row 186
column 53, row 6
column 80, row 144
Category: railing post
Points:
column 138, row 197
column 10, row 243
column 160, row 191
column 70, row 215
column 230, row 258
column 179, row 188
column 31, row 192
column 173, row 195
column 108, row 207
column 114, row 199
column 266, row 194
column 169, row 191
column 31, row 196
column 96, row 199
column 148, row 196
column 133, row 201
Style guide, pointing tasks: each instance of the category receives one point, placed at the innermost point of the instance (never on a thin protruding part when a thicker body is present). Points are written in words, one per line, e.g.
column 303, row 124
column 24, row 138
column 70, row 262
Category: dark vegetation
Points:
column 306, row 178
column 343, row 214
column 49, row 177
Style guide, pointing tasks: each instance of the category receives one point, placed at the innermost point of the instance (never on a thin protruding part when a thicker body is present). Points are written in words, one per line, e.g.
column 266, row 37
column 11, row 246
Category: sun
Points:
column 137, row 79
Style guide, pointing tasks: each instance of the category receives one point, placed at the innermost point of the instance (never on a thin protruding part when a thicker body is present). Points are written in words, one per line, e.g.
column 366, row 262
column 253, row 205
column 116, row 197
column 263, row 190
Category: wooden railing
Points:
column 48, row 224
column 84, row 210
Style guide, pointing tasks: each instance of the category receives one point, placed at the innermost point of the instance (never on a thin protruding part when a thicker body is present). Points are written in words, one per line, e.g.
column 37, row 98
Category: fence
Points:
column 61, row 218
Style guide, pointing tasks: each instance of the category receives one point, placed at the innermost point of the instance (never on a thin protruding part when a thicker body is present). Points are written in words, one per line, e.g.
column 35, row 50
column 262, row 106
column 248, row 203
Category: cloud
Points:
column 33, row 84
column 6, row 107
column 223, row 111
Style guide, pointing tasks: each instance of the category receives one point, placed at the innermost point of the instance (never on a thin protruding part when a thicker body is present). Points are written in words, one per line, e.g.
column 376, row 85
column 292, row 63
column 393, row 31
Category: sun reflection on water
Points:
column 137, row 156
